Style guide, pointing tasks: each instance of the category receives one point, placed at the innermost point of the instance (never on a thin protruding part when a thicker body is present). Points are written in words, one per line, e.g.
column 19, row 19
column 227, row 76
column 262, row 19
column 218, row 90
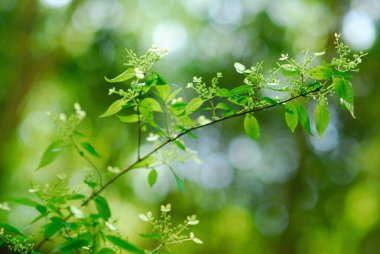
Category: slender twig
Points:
column 81, row 153
column 170, row 140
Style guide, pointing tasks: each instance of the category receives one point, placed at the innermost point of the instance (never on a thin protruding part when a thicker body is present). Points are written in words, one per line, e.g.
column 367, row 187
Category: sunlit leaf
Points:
column 105, row 251
column 151, row 104
column 193, row 105
column 322, row 117
column 291, row 116
column 251, row 126
column 345, row 93
column 145, row 163
column 178, row 180
column 123, row 244
column 152, row 177
column 303, row 117
column 163, row 91
column 89, row 148
column 10, row 228
column 102, row 207
column 51, row 153
column 321, row 72
column 115, row 107
column 173, row 95
column 128, row 74
column 134, row 118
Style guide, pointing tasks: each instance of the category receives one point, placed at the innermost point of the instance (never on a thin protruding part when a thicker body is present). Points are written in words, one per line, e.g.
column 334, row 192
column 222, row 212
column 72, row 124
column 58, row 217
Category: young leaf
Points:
column 321, row 72
column 173, row 95
column 129, row 119
column 345, row 93
column 251, row 127
column 322, row 117
column 130, row 73
column 291, row 116
column 10, row 228
column 105, row 251
column 178, row 180
column 71, row 244
column 102, row 207
column 151, row 104
column 123, row 244
column 89, row 148
column 163, row 92
column 152, row 177
column 115, row 107
column 193, row 105
column 145, row 163
column 53, row 228
column 180, row 144
column 303, row 117
column 51, row 153
column 239, row 90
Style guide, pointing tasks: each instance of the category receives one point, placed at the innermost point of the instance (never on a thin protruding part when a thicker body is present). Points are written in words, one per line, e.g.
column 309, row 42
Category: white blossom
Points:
column 111, row 226
column 152, row 137
column 203, row 120
column 192, row 220
column 77, row 212
column 239, row 67
column 62, row 117
column 166, row 208
column 114, row 170
column 283, row 57
column 319, row 53
column 139, row 73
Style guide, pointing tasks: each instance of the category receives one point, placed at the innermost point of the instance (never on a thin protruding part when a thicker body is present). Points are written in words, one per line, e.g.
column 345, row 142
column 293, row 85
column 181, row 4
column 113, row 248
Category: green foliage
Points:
column 82, row 221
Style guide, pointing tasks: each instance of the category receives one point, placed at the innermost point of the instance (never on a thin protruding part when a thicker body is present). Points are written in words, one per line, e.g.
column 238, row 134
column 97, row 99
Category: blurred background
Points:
column 287, row 193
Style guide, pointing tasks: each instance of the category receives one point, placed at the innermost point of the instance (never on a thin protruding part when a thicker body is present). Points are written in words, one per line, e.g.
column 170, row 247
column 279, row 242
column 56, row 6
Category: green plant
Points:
column 163, row 117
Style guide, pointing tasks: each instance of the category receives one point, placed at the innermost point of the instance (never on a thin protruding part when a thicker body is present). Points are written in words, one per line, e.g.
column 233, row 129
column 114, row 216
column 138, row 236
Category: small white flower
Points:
column 77, row 106
column 192, row 220
column 111, row 90
column 62, row 117
column 197, row 80
column 143, row 217
column 152, row 137
column 48, row 113
column 159, row 51
column 319, row 53
column 114, row 170
column 166, row 208
column 4, row 206
column 189, row 85
column 239, row 67
column 139, row 73
column 283, row 57
column 359, row 60
column 203, row 120
column 194, row 239
column 111, row 226
column 77, row 212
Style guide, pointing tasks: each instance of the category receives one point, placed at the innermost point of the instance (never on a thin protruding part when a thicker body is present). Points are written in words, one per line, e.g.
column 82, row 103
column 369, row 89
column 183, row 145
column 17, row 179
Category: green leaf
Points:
column 178, row 180
column 303, row 117
column 130, row 73
column 271, row 101
column 290, row 70
column 251, row 126
column 51, row 153
column 173, row 95
column 105, row 251
column 322, row 117
column 151, row 104
column 152, row 177
column 71, row 244
column 345, row 93
column 134, row 118
column 224, row 106
column 291, row 116
column 102, row 207
column 25, row 201
column 239, row 90
column 10, row 228
column 52, row 228
column 321, row 72
column 163, row 92
column 123, row 244
column 89, row 148
column 115, row 107
column 193, row 105
column 180, row 144
column 151, row 236
column 145, row 163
